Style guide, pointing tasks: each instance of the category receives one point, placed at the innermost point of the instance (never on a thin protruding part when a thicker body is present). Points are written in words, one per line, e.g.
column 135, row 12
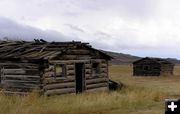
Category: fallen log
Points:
column 113, row 85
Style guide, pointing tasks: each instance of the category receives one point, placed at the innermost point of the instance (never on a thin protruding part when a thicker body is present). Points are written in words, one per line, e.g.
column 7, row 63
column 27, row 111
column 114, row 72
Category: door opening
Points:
column 80, row 81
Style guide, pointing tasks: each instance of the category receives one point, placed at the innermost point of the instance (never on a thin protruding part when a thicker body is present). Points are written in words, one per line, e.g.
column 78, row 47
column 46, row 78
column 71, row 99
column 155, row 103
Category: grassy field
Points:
column 142, row 95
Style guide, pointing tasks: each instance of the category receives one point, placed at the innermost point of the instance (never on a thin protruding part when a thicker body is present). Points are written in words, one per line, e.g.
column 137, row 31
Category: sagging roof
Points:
column 39, row 49
column 158, row 60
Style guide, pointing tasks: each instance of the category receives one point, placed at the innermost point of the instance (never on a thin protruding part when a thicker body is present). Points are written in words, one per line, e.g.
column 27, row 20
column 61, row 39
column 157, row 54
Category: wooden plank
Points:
column 59, row 85
column 59, row 91
column 91, row 86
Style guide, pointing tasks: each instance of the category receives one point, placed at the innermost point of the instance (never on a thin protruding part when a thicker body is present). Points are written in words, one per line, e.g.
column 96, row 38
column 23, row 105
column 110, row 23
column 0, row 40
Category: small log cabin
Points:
column 52, row 68
column 152, row 67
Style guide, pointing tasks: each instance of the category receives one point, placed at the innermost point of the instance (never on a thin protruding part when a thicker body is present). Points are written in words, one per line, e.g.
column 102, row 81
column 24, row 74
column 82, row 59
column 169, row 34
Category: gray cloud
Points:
column 15, row 30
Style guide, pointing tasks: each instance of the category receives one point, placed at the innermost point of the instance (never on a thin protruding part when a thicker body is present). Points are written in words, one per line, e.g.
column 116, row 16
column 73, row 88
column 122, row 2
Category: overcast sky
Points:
column 138, row 27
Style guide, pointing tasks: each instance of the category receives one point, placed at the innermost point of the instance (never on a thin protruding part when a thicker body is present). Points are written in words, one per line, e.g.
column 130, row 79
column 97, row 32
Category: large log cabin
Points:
column 52, row 68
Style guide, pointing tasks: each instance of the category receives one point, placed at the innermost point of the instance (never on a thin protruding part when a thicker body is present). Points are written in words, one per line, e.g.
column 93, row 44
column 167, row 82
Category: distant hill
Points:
column 121, row 58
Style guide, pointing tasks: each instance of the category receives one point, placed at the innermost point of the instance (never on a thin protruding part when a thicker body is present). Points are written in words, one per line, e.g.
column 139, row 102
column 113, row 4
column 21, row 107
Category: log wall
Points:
column 53, row 85
column 20, row 77
column 167, row 69
column 151, row 68
column 98, row 82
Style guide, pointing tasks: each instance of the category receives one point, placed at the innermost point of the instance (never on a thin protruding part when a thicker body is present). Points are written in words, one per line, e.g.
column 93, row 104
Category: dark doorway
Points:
column 80, row 83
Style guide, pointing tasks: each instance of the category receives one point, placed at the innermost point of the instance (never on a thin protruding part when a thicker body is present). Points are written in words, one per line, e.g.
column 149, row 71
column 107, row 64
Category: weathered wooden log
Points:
column 97, row 85
column 59, row 91
column 103, row 70
column 70, row 67
column 78, row 52
column 94, row 76
column 70, row 77
column 21, row 77
column 21, row 71
column 115, row 85
column 20, row 89
column 103, row 65
column 88, row 75
column 59, row 86
column 74, row 57
column 87, row 66
column 53, row 80
column 104, row 74
column 21, row 86
column 84, row 57
column 69, row 57
column 21, row 81
column 96, row 60
column 47, row 55
column 69, row 61
column 70, row 72
column 96, row 80
column 20, row 65
column 51, row 56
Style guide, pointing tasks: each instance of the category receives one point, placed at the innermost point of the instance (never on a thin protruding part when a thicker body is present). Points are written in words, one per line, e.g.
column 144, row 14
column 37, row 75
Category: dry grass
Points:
column 167, row 84
column 144, row 95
